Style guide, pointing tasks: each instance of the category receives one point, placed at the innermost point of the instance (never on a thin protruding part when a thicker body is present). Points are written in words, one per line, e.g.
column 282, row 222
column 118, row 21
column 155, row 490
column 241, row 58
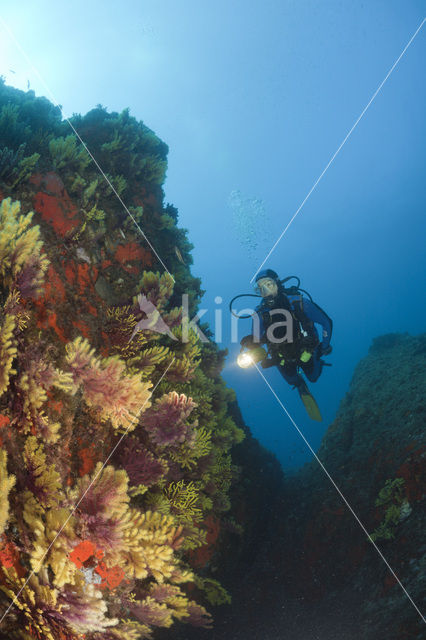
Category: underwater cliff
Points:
column 375, row 451
column 314, row 574
column 115, row 459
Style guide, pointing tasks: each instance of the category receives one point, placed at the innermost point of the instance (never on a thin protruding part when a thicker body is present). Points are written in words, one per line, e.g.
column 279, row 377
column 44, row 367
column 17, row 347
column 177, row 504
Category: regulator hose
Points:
column 289, row 278
column 292, row 290
column 242, row 295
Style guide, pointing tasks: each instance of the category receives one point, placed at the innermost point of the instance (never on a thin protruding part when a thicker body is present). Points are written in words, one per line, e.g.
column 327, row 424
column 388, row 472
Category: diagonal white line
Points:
column 56, row 103
column 341, row 145
column 76, row 505
column 342, row 496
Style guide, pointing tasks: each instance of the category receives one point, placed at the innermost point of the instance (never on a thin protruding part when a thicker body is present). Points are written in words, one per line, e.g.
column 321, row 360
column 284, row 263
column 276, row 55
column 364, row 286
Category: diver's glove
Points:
column 247, row 342
column 266, row 363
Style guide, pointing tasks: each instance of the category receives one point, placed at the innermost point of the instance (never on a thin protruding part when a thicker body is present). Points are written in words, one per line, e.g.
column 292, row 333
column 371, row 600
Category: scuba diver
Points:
column 293, row 344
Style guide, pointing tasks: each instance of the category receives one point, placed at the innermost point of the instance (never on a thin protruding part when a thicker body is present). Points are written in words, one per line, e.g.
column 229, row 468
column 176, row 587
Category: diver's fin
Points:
column 310, row 405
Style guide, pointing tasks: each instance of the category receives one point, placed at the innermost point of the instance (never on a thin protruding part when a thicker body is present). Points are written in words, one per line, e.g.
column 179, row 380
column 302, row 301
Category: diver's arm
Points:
column 268, row 362
column 256, row 338
column 247, row 342
column 258, row 327
column 317, row 315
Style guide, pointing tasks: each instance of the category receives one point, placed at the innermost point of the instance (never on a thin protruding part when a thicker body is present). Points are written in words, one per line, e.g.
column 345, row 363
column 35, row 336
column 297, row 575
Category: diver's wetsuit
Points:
column 285, row 355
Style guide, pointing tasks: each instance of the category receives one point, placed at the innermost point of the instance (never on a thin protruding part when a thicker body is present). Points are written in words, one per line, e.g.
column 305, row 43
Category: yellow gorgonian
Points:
column 6, row 483
column 8, row 351
column 20, row 244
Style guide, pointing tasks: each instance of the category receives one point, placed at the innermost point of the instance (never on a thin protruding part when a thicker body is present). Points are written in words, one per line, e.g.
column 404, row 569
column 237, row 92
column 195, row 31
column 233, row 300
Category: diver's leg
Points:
column 290, row 374
column 312, row 369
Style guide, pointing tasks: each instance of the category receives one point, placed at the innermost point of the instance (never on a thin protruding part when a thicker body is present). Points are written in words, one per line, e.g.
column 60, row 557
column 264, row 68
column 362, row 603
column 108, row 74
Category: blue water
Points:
column 256, row 97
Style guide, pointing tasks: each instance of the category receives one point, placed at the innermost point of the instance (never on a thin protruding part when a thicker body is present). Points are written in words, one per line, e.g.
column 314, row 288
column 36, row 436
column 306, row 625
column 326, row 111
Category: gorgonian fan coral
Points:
column 166, row 422
column 51, row 613
column 143, row 468
column 6, row 483
column 8, row 350
column 117, row 396
column 21, row 263
column 22, row 269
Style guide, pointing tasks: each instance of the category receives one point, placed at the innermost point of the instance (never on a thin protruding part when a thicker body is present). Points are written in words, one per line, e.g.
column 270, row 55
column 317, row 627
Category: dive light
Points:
column 248, row 357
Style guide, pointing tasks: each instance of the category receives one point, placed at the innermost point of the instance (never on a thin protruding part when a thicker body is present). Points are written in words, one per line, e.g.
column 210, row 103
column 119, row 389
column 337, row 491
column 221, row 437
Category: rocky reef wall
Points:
column 314, row 573
column 116, row 428
column 375, row 451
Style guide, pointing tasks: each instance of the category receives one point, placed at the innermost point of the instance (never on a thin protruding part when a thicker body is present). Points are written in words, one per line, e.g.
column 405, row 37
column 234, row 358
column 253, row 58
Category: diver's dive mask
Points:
column 266, row 287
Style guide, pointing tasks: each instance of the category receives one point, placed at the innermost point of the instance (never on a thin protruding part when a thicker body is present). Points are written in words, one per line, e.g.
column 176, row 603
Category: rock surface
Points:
column 311, row 571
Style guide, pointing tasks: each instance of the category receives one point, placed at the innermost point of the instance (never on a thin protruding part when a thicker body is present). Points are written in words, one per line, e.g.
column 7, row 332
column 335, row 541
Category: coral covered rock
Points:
column 97, row 524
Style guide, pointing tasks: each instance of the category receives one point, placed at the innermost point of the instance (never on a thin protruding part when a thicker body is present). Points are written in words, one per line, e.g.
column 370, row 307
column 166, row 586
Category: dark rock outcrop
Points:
column 312, row 572
column 377, row 437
